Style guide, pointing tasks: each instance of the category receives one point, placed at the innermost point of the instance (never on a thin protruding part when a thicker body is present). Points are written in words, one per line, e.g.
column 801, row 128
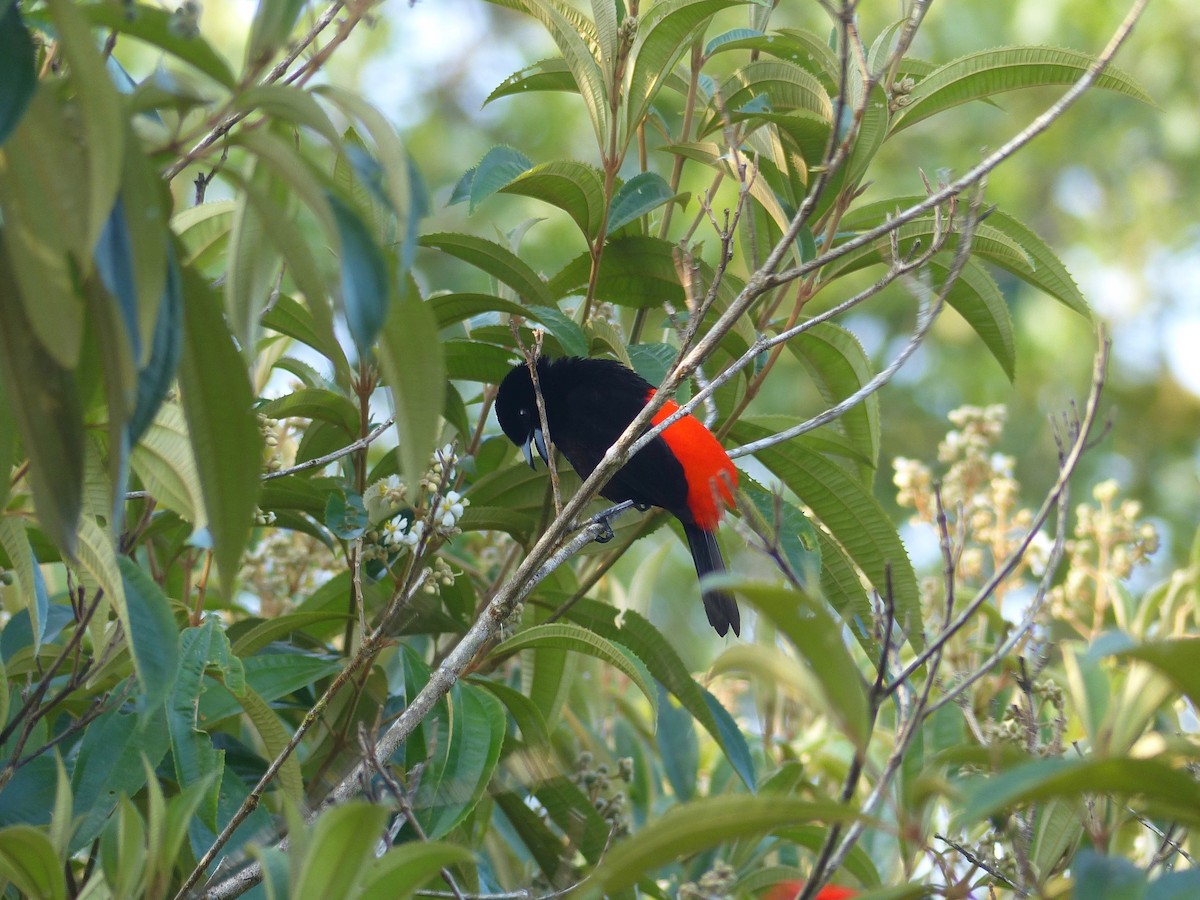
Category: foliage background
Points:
column 1112, row 187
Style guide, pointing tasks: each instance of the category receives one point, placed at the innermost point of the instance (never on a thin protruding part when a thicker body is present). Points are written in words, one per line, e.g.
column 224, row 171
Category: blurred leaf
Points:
column 989, row 72
column 253, row 264
column 366, row 289
column 31, row 587
column 852, row 515
column 100, row 109
column 498, row 261
column 1156, row 787
column 158, row 374
column 568, row 636
column 284, row 103
column 272, row 25
column 466, row 749
column 28, row 860
column 402, row 870
column 1174, row 886
column 226, row 442
column 818, row 637
column 642, row 193
column 801, row 48
column 414, row 367
column 1176, row 659
column 345, row 515
column 872, row 131
column 449, row 309
column 689, row 828
column 275, row 738
column 1107, row 877
column 314, row 403
column 204, row 231
column 292, row 318
column 153, row 637
column 17, row 69
column 574, row 187
column 155, row 26
column 678, row 748
column 341, row 846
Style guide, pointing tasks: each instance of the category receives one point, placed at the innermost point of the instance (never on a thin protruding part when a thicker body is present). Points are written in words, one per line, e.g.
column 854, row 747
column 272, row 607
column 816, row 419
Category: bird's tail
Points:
column 722, row 609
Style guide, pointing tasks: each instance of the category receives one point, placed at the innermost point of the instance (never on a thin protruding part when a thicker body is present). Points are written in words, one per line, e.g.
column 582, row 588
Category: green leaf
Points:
column 801, row 48
column 466, row 749
column 44, row 401
column 689, row 828
column 1156, row 787
column 283, row 103
column 415, row 368
column 99, row 108
column 499, row 166
column 275, row 738
column 498, row 261
column 788, row 528
column 153, row 636
column 253, row 263
column 341, row 846
column 872, row 130
column 226, row 441
column 636, row 271
column 404, row 869
column 852, row 515
column 17, row 69
column 678, row 748
column 559, row 324
column 648, row 644
column 290, row 317
column 817, row 635
column 272, row 25
column 157, row 27
column 986, row 73
column 769, row 86
column 314, row 403
column 1176, row 659
column 574, row 187
column 474, row 361
column 665, row 32
column 563, row 25
column 345, row 515
column 525, row 713
column 450, row 309
column 366, row 289
column 204, row 230
column 31, row 588
column 642, row 193
column 568, row 636
column 977, row 298
column 840, row 366
column 28, row 860
column 547, row 75
column 163, row 461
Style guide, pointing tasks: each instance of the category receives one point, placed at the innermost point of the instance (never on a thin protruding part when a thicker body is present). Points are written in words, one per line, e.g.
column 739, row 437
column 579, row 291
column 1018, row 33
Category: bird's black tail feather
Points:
column 722, row 609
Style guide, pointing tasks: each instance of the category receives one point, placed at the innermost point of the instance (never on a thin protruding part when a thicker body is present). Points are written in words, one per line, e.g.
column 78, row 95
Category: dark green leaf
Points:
column 366, row 289
column 642, row 193
column 314, row 403
column 473, row 361
column 499, row 166
column 547, row 75
column 1100, row 877
column 226, row 440
column 787, row 528
column 559, row 324
column 17, row 69
column 498, row 261
column 402, row 870
column 574, row 187
column 345, row 515
column 635, row 271
column 678, row 748
column 154, row 639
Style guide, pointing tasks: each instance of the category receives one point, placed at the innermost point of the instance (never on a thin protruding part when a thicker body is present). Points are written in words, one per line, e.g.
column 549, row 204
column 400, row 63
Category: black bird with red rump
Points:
column 684, row 470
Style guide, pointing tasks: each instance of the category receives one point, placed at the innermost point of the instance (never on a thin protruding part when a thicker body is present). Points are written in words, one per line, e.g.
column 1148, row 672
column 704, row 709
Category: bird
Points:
column 684, row 470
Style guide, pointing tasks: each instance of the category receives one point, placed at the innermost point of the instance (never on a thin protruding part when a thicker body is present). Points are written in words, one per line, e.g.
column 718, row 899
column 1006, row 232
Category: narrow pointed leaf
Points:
column 414, row 367
column 499, row 166
column 639, row 195
column 498, row 261
column 365, row 285
column 547, row 75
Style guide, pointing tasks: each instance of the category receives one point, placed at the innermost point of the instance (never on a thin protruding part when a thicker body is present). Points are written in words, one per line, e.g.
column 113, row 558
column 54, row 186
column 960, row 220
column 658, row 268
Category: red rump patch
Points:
column 711, row 475
column 787, row 890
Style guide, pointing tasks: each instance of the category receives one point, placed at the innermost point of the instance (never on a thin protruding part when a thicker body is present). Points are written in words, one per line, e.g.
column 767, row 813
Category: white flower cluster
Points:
column 384, row 498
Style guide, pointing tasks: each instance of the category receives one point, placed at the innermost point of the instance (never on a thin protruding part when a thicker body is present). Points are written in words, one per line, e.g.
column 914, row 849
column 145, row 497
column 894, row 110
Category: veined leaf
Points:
column 782, row 86
column 641, row 194
column 153, row 637
column 635, row 271
column 498, row 261
column 977, row 298
column 315, row 403
column 499, row 166
column 400, row 872
column 547, row 75
column 415, row 368
column 841, row 367
column 665, row 32
column 449, row 309
column 801, row 48
column 31, row 587
column 559, row 324
column 574, row 187
column 563, row 24
column 164, row 462
column 226, row 442
column 990, row 72
column 568, row 636
column 852, row 515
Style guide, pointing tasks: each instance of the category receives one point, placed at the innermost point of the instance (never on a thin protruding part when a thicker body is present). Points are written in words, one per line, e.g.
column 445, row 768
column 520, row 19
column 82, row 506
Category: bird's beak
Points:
column 536, row 440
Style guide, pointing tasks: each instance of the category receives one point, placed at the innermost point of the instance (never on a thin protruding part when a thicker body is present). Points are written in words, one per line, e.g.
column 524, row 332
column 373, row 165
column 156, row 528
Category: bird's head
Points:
column 517, row 412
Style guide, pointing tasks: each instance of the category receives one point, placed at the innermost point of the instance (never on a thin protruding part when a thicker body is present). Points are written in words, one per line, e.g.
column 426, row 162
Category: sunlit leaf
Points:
column 547, row 75
column 641, row 194
column 574, row 187
column 498, row 261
